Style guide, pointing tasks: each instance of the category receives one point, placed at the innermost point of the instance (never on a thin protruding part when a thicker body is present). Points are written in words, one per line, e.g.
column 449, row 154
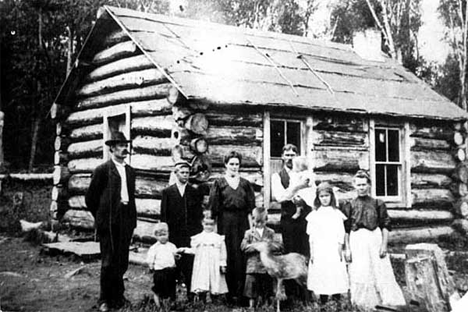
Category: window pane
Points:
column 392, row 180
column 277, row 137
column 380, row 180
column 380, row 145
column 293, row 133
column 393, row 145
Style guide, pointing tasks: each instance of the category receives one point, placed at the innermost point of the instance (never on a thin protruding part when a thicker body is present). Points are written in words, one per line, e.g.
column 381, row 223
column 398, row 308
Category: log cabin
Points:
column 196, row 90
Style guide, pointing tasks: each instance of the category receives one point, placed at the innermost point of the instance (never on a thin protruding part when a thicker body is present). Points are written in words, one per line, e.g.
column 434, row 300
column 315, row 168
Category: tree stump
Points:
column 427, row 277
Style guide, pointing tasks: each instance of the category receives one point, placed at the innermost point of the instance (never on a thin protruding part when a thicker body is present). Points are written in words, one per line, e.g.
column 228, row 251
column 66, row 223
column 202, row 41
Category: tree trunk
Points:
column 2, row 160
column 34, row 139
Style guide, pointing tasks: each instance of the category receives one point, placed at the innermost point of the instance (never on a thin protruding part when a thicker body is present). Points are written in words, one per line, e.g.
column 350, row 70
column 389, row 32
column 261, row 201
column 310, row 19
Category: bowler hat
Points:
column 116, row 137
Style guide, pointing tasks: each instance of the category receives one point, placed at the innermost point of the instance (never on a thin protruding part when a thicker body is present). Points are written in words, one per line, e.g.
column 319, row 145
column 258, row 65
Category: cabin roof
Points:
column 231, row 65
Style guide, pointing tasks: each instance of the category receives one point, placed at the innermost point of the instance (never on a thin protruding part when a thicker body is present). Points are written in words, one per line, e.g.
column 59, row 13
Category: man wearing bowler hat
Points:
column 181, row 209
column 111, row 200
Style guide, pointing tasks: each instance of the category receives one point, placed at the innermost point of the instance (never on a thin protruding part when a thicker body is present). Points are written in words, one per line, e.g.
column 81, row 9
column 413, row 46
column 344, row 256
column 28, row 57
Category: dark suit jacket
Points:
column 182, row 214
column 103, row 198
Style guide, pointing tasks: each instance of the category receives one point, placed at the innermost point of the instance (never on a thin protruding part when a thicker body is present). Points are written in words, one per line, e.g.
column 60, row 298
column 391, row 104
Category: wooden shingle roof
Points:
column 230, row 65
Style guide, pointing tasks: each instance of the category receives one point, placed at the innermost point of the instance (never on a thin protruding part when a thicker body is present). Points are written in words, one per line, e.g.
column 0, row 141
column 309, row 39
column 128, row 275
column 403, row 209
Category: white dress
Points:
column 210, row 254
column 327, row 274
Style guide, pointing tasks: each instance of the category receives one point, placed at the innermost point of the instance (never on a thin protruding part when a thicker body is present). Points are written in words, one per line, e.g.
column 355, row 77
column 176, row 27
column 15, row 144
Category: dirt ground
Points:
column 33, row 281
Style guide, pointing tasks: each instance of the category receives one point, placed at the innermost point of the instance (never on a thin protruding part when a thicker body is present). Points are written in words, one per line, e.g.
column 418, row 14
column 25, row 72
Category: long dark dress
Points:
column 231, row 208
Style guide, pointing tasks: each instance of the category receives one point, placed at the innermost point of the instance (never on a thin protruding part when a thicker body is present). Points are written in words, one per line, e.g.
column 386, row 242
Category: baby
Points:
column 300, row 172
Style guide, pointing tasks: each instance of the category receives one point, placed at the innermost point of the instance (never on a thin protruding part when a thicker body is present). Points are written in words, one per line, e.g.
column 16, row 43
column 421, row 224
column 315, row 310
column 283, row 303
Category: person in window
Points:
column 372, row 281
column 231, row 202
column 181, row 209
column 293, row 226
column 111, row 200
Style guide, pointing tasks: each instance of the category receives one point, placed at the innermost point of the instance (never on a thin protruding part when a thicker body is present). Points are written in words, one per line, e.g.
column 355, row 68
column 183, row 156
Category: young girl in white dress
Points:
column 327, row 268
column 209, row 264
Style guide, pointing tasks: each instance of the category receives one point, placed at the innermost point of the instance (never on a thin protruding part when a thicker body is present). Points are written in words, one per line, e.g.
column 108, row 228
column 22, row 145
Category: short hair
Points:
column 159, row 227
column 289, row 147
column 325, row 187
column 362, row 174
column 259, row 213
column 232, row 154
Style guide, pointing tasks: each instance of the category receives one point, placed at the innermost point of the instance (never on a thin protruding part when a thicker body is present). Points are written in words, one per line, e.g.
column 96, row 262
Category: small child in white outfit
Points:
column 161, row 261
column 300, row 171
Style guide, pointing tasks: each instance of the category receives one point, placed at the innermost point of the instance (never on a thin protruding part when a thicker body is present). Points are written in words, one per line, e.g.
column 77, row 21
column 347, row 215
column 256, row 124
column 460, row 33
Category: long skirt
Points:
column 372, row 281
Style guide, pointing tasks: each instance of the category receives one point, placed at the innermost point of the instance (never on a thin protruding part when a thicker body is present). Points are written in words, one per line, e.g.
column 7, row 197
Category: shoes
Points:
column 104, row 307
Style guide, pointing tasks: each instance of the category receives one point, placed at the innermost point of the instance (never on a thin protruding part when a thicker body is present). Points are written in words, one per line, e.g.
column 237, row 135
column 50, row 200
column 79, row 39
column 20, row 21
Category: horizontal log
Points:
column 79, row 183
column 115, row 52
column 152, row 145
column 85, row 149
column 339, row 138
column 234, row 135
column 252, row 156
column 428, row 180
column 115, row 37
column 254, row 177
column 418, row 235
column 461, row 225
column 60, row 175
column 84, row 164
column 432, row 162
column 88, row 117
column 420, row 215
column 340, row 123
column 159, row 126
column 87, row 133
column 341, row 160
column 153, row 163
column 129, row 64
column 60, row 158
column 427, row 198
column 418, row 144
column 440, row 132
column 175, row 97
column 128, row 80
column 138, row 94
column 144, row 206
column 224, row 119
column 81, row 219
column 144, row 231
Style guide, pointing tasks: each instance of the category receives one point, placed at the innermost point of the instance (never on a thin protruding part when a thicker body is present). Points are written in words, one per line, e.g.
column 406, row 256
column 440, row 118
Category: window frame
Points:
column 404, row 175
column 115, row 112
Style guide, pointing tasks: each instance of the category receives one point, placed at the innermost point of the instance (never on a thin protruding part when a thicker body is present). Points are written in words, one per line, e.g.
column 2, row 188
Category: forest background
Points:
column 40, row 40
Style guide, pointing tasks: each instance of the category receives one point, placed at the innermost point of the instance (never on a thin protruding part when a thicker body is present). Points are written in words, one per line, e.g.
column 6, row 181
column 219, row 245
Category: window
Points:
column 284, row 132
column 388, row 162
column 115, row 119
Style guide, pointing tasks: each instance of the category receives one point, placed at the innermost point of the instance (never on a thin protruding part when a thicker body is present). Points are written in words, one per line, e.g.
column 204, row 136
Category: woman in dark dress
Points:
column 231, row 202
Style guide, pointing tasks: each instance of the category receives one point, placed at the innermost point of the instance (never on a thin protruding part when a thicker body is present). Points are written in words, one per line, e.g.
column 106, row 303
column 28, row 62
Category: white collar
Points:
column 119, row 164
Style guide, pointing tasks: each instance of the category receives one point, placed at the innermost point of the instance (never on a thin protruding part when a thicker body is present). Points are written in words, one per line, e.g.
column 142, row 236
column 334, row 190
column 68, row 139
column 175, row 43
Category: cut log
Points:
column 115, row 52
column 61, row 143
column 84, row 164
column 252, row 156
column 53, row 210
column 152, row 145
column 59, row 193
column 248, row 119
column 432, row 162
column 419, row 144
column 461, row 155
column 340, row 123
column 129, row 80
column 58, row 112
column 427, row 180
column 81, row 219
column 60, row 175
column 340, row 160
column 60, row 158
column 176, row 97
column 459, row 189
column 197, row 123
column 138, row 94
column 133, row 63
column 58, row 129
column 158, row 126
column 180, row 113
column 416, row 235
column 339, row 138
column 461, row 173
column 427, row 277
column 85, row 149
column 461, row 225
column 437, row 198
column 461, row 207
column 234, row 135
column 458, row 138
